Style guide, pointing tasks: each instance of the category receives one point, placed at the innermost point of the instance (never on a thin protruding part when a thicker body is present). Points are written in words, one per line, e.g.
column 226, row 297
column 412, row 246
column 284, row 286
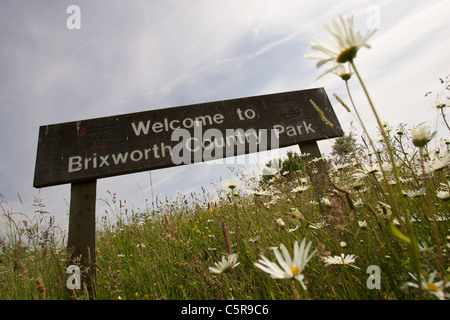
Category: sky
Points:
column 135, row 55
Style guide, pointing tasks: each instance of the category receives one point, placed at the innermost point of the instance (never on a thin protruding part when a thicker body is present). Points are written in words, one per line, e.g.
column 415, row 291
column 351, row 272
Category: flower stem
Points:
column 357, row 114
column 443, row 117
column 413, row 245
column 431, row 215
column 377, row 154
column 294, row 290
column 383, row 132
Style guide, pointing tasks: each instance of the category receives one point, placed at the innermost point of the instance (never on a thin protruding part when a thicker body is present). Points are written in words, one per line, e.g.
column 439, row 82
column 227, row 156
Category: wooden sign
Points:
column 83, row 151
column 87, row 150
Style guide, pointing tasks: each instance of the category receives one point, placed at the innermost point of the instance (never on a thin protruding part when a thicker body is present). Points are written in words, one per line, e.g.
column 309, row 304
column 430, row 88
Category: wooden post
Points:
column 316, row 170
column 81, row 241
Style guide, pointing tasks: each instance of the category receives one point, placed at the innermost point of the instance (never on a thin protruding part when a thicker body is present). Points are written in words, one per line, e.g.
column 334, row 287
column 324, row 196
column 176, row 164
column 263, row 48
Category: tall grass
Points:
column 32, row 254
column 166, row 253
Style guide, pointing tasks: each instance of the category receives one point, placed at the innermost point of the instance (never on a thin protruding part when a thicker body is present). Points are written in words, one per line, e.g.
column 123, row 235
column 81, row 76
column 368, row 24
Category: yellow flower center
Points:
column 347, row 55
column 346, row 76
column 295, row 271
column 226, row 269
column 432, row 287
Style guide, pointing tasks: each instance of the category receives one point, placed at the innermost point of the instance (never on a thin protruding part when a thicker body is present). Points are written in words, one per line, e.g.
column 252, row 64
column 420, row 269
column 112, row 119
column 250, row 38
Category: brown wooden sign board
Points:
column 81, row 152
column 87, row 150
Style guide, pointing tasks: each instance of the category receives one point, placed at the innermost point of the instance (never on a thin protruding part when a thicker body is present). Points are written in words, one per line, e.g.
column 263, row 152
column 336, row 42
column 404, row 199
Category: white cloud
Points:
column 405, row 61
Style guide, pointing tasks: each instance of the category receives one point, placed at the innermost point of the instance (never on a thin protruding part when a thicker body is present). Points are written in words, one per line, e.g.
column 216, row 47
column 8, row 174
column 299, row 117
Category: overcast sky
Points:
column 132, row 56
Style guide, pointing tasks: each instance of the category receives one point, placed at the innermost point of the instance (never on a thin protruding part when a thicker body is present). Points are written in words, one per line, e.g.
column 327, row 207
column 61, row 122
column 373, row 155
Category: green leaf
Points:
column 399, row 234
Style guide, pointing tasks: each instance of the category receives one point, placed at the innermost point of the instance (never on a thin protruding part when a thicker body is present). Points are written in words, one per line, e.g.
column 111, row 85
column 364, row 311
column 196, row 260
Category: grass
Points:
column 165, row 254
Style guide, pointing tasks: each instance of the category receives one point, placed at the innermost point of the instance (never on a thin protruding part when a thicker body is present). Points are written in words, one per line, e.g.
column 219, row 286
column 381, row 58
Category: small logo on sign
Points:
column 290, row 113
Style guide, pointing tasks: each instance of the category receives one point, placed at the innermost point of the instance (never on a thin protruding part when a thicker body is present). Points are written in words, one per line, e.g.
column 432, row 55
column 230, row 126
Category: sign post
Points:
column 81, row 239
column 80, row 152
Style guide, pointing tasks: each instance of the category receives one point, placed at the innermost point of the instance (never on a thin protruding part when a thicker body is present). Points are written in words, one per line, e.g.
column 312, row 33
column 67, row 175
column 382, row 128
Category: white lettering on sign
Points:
column 291, row 131
column 77, row 163
column 209, row 145
column 110, row 146
column 246, row 114
column 166, row 125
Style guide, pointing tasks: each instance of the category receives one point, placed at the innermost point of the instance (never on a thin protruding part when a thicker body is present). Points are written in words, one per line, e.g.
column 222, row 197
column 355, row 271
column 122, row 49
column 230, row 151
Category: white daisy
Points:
column 362, row 224
column 280, row 222
column 438, row 164
column 326, row 202
column 435, row 288
column 232, row 184
column 443, row 195
column 421, row 136
column 343, row 44
column 342, row 260
column 259, row 193
column 415, row 193
column 344, row 75
column 340, row 167
column 300, row 189
column 369, row 169
column 424, row 247
column 290, row 268
column 225, row 265
column 319, row 225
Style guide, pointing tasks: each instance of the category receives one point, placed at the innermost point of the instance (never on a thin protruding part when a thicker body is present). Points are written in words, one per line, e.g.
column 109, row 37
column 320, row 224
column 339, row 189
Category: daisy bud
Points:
column 421, row 136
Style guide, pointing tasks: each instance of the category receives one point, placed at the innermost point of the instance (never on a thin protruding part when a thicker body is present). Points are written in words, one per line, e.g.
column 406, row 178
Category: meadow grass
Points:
column 166, row 253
